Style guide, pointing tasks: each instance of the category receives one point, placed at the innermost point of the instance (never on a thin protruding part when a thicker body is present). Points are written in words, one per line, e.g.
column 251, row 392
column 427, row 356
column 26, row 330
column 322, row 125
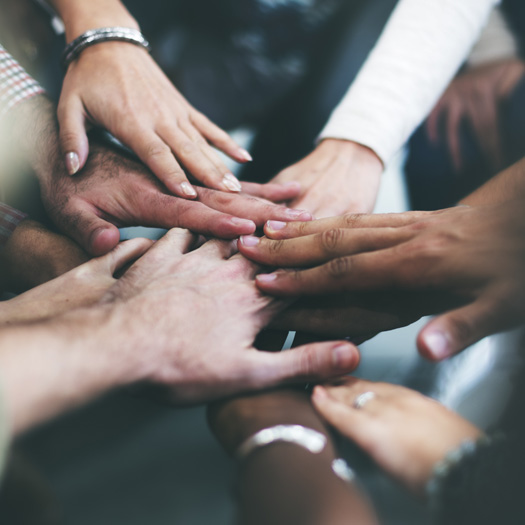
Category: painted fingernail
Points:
column 302, row 215
column 188, row 189
column 249, row 241
column 266, row 277
column 72, row 163
column 343, row 357
column 231, row 182
column 245, row 155
column 244, row 223
column 276, row 225
column 438, row 344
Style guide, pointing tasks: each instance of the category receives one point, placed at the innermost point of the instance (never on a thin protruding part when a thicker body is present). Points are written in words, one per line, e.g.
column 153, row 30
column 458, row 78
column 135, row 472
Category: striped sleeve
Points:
column 15, row 84
column 9, row 220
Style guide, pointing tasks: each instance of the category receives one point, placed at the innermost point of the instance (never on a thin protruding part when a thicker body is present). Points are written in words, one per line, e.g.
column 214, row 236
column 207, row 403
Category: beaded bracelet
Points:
column 103, row 34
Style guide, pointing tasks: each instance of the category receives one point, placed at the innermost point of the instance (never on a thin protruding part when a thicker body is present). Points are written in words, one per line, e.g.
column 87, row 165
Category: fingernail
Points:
column 438, row 345
column 243, row 222
column 343, row 357
column 245, row 155
column 249, row 241
column 188, row 189
column 231, row 182
column 302, row 215
column 266, row 277
column 276, row 225
column 293, row 184
column 72, row 163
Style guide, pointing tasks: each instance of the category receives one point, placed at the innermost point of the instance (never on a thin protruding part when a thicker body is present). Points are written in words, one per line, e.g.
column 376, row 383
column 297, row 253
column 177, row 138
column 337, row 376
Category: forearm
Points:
column 50, row 367
column 422, row 47
column 80, row 16
column 283, row 483
column 506, row 186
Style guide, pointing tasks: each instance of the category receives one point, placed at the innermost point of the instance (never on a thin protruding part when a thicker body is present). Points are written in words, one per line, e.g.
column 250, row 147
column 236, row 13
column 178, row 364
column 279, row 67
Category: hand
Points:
column 339, row 176
column 114, row 191
column 34, row 255
column 474, row 256
column 177, row 295
column 119, row 87
column 80, row 287
column 476, row 97
column 404, row 432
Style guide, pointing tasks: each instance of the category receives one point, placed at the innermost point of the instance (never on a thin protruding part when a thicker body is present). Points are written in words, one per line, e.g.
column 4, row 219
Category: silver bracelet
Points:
column 304, row 437
column 103, row 34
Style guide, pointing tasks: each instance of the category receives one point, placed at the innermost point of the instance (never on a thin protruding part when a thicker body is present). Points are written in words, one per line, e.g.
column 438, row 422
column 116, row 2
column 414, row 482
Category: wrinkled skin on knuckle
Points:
column 351, row 220
column 338, row 268
column 331, row 240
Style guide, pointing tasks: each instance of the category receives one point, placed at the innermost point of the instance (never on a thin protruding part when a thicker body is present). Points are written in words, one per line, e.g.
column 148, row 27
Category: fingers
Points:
column 198, row 158
column 219, row 138
column 432, row 124
column 93, row 233
column 251, row 208
column 170, row 212
column 73, row 137
column 272, row 192
column 319, row 248
column 125, row 252
column 367, row 271
column 157, row 155
column 216, row 249
column 282, row 230
column 450, row 333
column 314, row 362
column 454, row 119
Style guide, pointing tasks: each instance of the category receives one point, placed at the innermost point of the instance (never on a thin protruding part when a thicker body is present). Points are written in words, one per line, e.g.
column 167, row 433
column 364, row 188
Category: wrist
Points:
column 80, row 16
column 354, row 152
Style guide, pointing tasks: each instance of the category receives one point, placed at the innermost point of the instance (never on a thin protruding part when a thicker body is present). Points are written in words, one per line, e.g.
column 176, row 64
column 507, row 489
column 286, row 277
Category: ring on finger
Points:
column 362, row 399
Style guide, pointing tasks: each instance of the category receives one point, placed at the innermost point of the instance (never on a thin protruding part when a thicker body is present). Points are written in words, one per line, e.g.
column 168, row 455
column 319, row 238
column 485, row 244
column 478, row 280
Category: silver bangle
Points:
column 103, row 34
column 304, row 437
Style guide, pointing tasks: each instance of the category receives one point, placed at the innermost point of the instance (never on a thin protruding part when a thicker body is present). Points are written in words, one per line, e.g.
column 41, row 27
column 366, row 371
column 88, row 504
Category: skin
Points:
column 113, row 190
column 148, row 327
column 470, row 256
column 404, row 432
column 339, row 176
column 34, row 255
column 119, row 87
column 314, row 495
column 476, row 97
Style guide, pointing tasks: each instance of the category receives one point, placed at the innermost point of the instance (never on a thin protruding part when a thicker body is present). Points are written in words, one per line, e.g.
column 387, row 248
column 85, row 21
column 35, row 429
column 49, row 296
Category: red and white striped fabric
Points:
column 15, row 84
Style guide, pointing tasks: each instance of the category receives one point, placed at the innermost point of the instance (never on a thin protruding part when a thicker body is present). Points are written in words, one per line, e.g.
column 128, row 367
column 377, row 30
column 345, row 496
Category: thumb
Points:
column 312, row 362
column 94, row 234
column 454, row 331
column 73, row 138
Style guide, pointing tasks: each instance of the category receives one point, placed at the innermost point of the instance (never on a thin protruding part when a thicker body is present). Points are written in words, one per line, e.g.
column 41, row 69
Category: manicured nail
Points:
column 438, row 344
column 276, row 225
column 188, row 189
column 343, row 357
column 72, row 163
column 266, row 277
column 301, row 215
column 245, row 155
column 231, row 182
column 244, row 223
column 249, row 241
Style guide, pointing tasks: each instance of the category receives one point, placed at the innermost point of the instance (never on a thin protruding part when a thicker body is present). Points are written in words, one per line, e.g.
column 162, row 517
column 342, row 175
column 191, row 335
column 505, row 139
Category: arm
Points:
column 130, row 335
column 118, row 86
column 114, row 190
column 283, row 483
column 423, row 45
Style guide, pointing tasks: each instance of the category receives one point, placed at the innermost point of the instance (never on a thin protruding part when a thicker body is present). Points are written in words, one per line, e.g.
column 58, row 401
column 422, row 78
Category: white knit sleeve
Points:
column 422, row 46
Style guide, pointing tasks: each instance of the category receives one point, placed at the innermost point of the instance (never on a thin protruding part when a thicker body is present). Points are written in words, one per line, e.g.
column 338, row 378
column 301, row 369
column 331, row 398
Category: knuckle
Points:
column 186, row 148
column 157, row 149
column 351, row 220
column 340, row 267
column 461, row 328
column 330, row 240
column 275, row 247
column 309, row 363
